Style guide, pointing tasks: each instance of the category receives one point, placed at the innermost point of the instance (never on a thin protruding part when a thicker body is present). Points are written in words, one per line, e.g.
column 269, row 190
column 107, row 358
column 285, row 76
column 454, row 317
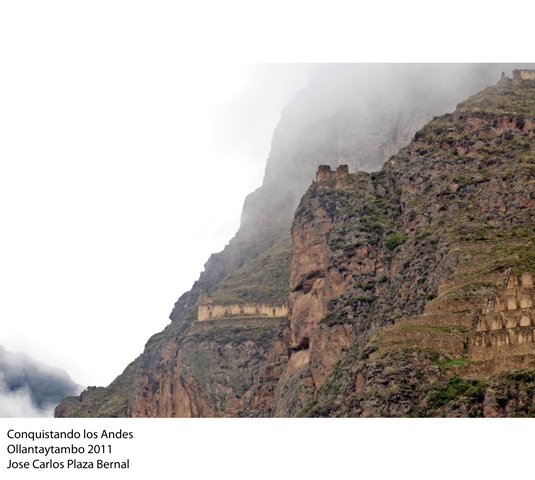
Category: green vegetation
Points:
column 235, row 332
column 472, row 290
column 335, row 318
column 454, row 362
column 438, row 329
column 464, row 216
column 394, row 241
column 505, row 98
column 496, row 256
column 265, row 278
column 112, row 401
column 455, row 388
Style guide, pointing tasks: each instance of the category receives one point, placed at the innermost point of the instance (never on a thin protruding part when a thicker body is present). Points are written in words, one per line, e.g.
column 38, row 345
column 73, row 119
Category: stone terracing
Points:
column 507, row 327
column 489, row 320
column 384, row 246
column 441, row 302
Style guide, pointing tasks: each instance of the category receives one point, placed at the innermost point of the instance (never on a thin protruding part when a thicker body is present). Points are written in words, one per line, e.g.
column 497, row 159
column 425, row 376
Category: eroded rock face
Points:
column 309, row 275
column 423, row 244
column 458, row 327
column 328, row 346
column 314, row 281
column 366, row 251
column 212, row 373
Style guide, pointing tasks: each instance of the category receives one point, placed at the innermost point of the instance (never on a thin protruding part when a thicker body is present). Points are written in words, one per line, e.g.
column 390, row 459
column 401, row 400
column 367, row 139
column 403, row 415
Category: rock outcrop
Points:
column 387, row 275
column 452, row 323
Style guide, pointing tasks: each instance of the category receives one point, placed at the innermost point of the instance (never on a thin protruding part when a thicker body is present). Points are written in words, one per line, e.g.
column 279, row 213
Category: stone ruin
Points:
column 325, row 173
column 208, row 310
column 508, row 323
column 519, row 76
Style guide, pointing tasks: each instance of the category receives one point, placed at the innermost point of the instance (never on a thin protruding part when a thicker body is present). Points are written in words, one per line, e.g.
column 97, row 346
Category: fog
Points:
column 244, row 123
column 18, row 404
column 360, row 115
column 30, row 388
column 130, row 138
column 120, row 180
column 116, row 189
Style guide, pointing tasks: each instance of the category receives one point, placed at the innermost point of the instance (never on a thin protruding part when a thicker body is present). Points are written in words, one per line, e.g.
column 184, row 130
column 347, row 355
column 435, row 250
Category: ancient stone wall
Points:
column 210, row 311
column 521, row 75
column 507, row 327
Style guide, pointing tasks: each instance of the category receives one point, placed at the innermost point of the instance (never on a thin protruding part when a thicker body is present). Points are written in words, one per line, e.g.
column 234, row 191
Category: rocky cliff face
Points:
column 433, row 256
column 364, row 251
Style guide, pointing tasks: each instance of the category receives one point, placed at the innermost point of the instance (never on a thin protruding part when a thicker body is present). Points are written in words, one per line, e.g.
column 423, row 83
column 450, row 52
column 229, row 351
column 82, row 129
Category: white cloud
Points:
column 18, row 403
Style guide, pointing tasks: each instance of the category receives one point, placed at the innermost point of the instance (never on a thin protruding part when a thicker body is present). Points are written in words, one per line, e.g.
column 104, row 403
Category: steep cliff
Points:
column 415, row 294
column 345, row 268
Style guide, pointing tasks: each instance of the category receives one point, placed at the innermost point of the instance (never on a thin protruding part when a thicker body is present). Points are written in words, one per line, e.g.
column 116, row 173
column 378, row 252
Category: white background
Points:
column 125, row 161
column 247, row 449
column 105, row 119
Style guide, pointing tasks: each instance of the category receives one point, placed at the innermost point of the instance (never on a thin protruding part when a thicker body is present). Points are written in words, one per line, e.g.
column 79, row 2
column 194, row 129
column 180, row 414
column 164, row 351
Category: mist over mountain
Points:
column 30, row 388
column 284, row 321
column 354, row 114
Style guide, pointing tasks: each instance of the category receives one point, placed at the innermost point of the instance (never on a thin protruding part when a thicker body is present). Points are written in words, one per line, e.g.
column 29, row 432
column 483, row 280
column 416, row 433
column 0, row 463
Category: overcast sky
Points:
column 130, row 137
column 122, row 169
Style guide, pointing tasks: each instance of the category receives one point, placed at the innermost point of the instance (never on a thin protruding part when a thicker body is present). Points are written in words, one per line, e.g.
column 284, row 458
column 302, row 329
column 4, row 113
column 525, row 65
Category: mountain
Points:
column 305, row 310
column 29, row 388
column 411, row 289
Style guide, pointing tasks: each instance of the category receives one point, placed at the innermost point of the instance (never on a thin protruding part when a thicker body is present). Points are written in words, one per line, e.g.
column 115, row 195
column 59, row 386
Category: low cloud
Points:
column 30, row 388
column 18, row 403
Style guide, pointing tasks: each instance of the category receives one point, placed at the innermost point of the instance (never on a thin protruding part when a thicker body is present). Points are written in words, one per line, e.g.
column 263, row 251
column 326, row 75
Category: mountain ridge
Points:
column 29, row 387
column 170, row 378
